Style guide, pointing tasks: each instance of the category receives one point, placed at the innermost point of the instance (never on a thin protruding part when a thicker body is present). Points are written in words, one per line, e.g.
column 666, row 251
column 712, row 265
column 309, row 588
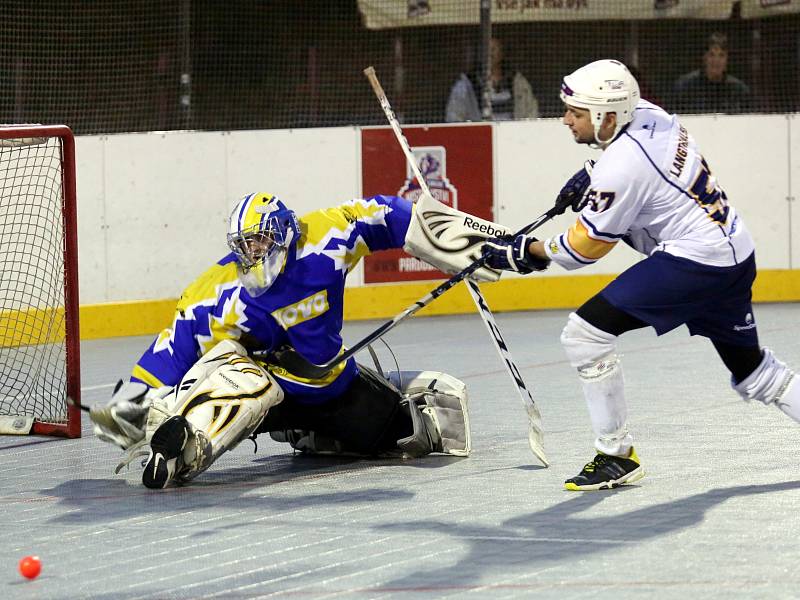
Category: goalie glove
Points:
column 122, row 421
column 511, row 254
column 574, row 192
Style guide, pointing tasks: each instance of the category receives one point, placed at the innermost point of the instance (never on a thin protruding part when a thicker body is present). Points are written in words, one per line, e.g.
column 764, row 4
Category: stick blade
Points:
column 290, row 359
column 535, row 441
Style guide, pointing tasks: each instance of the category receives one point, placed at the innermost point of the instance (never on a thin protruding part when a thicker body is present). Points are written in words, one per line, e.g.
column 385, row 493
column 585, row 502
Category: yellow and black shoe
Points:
column 606, row 472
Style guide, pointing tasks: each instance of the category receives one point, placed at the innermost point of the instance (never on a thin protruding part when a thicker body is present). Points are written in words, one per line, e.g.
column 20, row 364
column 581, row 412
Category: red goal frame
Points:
column 72, row 427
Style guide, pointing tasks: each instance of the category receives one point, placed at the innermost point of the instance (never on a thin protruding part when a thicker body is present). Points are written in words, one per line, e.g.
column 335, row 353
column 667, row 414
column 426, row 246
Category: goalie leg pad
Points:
column 592, row 352
column 439, row 408
column 223, row 398
column 449, row 239
column 772, row 382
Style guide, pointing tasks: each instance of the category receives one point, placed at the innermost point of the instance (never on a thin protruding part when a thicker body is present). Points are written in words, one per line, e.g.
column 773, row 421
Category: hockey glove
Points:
column 122, row 420
column 509, row 253
column 574, row 191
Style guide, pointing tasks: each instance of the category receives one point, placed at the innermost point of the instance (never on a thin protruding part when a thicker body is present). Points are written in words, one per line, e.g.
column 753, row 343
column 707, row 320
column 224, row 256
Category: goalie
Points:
column 206, row 382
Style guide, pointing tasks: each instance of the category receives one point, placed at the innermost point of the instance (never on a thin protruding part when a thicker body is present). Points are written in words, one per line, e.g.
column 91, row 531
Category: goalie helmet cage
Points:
column 39, row 334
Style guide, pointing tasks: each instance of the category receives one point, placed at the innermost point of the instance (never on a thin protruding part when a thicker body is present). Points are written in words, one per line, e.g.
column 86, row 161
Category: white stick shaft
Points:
column 535, row 431
column 390, row 116
column 535, row 434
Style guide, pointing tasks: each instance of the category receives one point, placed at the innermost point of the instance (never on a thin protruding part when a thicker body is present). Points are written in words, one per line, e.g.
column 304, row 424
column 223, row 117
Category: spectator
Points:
column 712, row 89
column 510, row 95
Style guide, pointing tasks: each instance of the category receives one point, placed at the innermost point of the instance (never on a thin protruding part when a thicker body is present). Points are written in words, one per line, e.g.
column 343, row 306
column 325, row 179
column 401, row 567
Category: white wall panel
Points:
column 152, row 208
column 307, row 168
column 92, row 259
column 165, row 199
column 794, row 190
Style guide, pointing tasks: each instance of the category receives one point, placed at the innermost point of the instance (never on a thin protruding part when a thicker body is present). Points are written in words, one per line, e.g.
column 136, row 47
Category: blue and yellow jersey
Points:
column 303, row 308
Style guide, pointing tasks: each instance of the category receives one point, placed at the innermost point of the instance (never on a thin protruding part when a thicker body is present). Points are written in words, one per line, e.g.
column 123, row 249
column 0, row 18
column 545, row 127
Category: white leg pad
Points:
column 445, row 407
column 224, row 396
column 592, row 352
column 772, row 382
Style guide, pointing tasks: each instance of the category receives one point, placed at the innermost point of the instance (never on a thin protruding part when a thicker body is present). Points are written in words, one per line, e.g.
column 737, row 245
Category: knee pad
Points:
column 589, row 349
column 768, row 383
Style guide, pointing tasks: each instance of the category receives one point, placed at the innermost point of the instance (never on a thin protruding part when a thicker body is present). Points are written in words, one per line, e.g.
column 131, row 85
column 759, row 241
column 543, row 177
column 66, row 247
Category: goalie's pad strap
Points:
column 449, row 239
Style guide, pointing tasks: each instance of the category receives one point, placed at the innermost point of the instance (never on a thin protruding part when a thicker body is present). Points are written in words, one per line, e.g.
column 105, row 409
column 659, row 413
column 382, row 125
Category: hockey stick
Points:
column 293, row 362
column 71, row 402
column 535, row 434
column 290, row 360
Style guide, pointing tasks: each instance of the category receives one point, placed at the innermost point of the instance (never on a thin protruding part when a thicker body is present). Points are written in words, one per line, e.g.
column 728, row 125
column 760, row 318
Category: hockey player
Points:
column 199, row 389
column 652, row 189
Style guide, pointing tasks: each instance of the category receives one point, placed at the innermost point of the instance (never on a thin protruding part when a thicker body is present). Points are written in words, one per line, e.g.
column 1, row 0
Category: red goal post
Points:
column 39, row 331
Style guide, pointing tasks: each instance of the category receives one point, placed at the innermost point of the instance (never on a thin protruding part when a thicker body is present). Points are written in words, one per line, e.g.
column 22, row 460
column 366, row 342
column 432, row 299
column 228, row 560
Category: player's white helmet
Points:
column 260, row 232
column 603, row 87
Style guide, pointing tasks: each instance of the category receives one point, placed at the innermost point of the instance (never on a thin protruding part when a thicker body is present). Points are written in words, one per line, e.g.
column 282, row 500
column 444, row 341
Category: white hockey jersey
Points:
column 654, row 190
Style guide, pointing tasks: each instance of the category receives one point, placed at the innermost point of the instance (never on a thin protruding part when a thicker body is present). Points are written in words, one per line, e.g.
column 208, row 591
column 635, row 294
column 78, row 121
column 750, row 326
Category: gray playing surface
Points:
column 716, row 517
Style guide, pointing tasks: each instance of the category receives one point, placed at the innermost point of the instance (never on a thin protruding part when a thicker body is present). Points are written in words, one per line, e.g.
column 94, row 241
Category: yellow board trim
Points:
column 385, row 301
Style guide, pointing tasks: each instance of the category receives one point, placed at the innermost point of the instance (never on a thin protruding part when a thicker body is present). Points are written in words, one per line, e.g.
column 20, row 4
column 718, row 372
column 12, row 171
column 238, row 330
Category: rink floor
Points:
column 717, row 516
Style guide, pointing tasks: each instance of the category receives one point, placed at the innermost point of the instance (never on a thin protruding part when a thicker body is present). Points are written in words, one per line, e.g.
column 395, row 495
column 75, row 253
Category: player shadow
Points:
column 558, row 534
column 235, row 488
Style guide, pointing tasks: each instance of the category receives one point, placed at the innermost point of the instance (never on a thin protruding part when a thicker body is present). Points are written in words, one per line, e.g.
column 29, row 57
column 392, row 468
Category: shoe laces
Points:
column 595, row 463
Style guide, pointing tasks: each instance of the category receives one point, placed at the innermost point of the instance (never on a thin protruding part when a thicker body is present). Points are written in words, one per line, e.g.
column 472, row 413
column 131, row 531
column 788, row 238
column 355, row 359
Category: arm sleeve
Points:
column 615, row 200
column 348, row 232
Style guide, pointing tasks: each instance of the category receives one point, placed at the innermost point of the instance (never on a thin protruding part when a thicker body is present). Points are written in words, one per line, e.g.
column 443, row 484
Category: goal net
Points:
column 39, row 343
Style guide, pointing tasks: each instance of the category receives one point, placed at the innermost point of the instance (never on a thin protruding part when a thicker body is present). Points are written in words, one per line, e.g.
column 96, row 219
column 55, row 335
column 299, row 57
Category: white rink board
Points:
column 152, row 207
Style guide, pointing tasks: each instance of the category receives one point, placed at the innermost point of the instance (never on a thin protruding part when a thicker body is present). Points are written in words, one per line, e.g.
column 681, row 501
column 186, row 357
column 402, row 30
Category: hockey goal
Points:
column 39, row 336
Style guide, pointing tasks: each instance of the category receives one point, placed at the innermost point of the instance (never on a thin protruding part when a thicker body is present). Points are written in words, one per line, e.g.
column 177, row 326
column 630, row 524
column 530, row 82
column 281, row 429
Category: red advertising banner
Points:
column 456, row 161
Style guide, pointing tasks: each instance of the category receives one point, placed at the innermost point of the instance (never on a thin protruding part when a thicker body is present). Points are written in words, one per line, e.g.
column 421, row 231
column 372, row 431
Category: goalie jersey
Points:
column 653, row 189
column 303, row 308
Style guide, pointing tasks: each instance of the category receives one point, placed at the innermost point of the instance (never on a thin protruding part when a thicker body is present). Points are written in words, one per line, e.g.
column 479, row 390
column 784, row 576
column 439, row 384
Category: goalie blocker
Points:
column 450, row 239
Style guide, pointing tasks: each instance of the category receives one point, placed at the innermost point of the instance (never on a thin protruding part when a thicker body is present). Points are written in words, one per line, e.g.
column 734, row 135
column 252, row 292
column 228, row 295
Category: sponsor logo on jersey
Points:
column 302, row 311
column 749, row 323
column 432, row 163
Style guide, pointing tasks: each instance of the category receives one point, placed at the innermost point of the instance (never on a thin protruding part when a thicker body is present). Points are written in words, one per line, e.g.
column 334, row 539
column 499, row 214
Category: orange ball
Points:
column 30, row 567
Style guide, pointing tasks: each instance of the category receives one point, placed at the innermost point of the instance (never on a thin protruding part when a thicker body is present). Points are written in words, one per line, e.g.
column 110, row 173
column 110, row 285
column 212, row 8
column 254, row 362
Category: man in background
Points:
column 711, row 89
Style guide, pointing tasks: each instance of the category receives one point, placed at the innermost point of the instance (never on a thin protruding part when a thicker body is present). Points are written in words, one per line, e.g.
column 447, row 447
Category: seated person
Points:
column 510, row 95
column 711, row 89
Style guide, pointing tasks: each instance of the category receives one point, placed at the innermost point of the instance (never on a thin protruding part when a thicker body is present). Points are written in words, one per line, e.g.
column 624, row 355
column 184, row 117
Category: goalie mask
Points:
column 602, row 87
column 260, row 232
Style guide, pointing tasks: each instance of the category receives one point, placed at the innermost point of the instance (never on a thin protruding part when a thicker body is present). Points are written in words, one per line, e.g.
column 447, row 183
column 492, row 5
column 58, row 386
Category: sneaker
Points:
column 606, row 472
column 166, row 448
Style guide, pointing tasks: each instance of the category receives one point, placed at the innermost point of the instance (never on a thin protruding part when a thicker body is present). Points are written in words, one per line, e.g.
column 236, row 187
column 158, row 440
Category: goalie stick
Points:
column 293, row 362
column 289, row 359
column 535, row 432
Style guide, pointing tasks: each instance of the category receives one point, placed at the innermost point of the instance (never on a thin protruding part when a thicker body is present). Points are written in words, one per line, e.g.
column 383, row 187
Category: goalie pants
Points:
column 366, row 419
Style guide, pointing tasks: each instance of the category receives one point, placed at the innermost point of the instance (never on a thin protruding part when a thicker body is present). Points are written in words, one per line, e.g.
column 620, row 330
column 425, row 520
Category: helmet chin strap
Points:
column 598, row 144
